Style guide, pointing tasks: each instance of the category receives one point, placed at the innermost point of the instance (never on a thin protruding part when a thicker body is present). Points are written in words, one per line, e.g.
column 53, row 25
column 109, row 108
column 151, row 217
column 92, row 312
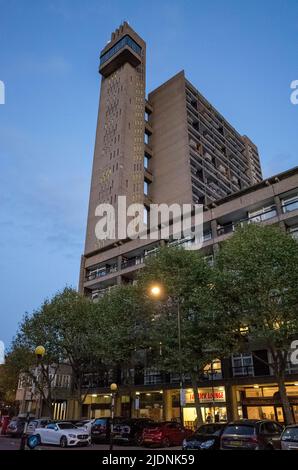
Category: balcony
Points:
column 290, row 205
column 262, row 217
column 132, row 262
column 101, row 272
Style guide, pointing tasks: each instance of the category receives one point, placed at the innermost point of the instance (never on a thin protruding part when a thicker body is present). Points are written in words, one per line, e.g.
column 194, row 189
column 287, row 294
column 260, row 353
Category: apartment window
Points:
column 146, row 215
column 146, row 138
column 262, row 214
column 242, row 365
column 293, row 231
column 146, row 188
column 146, row 161
column 213, row 371
column 290, row 204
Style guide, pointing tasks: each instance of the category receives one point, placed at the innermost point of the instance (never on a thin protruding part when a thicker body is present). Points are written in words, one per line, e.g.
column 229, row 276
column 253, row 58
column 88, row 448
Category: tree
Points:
column 126, row 319
column 8, row 384
column 77, row 337
column 258, row 285
column 187, row 284
column 68, row 329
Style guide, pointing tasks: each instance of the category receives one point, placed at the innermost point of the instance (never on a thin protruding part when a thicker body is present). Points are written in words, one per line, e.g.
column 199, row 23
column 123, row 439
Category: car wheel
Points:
column 166, row 442
column 63, row 442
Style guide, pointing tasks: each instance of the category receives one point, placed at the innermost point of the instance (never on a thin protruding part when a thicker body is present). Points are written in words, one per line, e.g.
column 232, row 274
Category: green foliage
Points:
column 187, row 283
column 258, row 283
column 125, row 317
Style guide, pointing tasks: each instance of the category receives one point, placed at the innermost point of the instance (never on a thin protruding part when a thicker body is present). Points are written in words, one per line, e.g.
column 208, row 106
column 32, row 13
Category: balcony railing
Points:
column 100, row 272
column 254, row 219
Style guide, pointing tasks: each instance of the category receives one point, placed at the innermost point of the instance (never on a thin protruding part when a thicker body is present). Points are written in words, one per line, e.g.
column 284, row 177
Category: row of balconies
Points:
column 262, row 215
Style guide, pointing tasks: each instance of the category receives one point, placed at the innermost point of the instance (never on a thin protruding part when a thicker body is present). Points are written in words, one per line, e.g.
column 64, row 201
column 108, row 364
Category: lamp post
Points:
column 39, row 353
column 156, row 291
column 113, row 388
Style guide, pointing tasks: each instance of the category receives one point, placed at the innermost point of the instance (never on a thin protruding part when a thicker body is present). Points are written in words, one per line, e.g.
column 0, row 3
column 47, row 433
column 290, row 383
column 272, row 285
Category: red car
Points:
column 165, row 434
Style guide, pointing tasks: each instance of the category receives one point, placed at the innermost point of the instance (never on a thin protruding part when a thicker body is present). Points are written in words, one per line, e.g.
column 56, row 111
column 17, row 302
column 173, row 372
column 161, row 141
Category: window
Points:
column 146, row 188
column 146, row 215
column 290, row 204
column 262, row 214
column 293, row 231
column 242, row 364
column 146, row 161
column 125, row 41
column 146, row 138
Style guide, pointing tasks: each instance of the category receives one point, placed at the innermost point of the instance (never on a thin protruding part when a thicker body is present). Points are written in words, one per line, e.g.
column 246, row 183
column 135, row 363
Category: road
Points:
column 10, row 443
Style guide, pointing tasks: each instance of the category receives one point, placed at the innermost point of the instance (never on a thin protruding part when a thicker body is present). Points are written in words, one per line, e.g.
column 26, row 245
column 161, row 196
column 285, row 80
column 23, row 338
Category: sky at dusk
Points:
column 241, row 55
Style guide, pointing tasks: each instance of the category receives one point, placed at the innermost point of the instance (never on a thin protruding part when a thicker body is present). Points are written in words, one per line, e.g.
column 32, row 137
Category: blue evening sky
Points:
column 241, row 55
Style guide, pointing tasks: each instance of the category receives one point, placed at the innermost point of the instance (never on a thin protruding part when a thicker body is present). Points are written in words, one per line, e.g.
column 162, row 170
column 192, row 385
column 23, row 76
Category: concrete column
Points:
column 231, row 399
column 118, row 405
column 167, row 405
column 277, row 203
column 214, row 229
column 119, row 262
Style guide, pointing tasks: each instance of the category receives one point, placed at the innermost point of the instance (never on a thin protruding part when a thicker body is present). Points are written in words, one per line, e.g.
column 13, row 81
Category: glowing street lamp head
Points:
column 40, row 351
column 155, row 291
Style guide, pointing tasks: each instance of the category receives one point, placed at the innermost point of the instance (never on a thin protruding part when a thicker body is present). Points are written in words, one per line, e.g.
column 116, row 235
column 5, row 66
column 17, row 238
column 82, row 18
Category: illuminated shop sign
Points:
column 206, row 395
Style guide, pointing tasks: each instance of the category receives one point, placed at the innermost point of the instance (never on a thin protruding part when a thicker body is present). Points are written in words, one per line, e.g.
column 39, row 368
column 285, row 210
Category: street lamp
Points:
column 39, row 353
column 113, row 388
column 156, row 291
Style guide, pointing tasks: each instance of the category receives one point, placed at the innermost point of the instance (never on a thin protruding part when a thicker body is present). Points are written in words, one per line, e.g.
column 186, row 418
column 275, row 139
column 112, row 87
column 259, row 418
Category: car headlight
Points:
column 207, row 444
column 184, row 444
column 73, row 436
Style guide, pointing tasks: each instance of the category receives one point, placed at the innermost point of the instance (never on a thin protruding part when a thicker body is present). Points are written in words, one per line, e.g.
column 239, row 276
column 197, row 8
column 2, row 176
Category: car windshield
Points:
column 240, row 430
column 67, row 426
column 290, row 434
column 212, row 430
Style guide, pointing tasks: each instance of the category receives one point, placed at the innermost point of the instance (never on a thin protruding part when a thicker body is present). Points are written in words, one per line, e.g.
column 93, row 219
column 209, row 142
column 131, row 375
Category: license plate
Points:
column 235, row 443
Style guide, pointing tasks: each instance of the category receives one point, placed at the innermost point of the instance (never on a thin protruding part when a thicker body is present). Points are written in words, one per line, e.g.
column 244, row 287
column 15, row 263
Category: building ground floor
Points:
column 217, row 403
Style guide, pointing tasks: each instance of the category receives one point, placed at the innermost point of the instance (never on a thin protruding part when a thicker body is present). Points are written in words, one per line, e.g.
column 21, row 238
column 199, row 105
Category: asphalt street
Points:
column 10, row 443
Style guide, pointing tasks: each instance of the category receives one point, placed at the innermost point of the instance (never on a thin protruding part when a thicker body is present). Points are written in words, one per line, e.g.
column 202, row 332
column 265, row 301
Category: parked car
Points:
column 101, row 428
column 131, row 430
column 37, row 423
column 251, row 434
column 84, row 424
column 164, row 434
column 63, row 434
column 16, row 426
column 206, row 437
column 289, row 438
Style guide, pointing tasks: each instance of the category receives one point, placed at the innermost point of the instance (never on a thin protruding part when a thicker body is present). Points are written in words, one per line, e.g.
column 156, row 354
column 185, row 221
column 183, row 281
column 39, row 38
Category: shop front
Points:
column 212, row 404
column 263, row 402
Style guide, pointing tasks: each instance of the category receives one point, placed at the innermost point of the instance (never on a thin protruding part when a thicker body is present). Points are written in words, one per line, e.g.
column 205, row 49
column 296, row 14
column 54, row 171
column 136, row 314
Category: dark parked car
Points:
column 165, row 434
column 101, row 428
column 251, row 434
column 16, row 426
column 206, row 437
column 131, row 430
column 289, row 438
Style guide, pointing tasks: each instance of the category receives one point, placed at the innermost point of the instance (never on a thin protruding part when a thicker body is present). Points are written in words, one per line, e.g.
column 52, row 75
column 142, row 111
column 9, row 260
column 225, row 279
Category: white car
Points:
column 63, row 434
